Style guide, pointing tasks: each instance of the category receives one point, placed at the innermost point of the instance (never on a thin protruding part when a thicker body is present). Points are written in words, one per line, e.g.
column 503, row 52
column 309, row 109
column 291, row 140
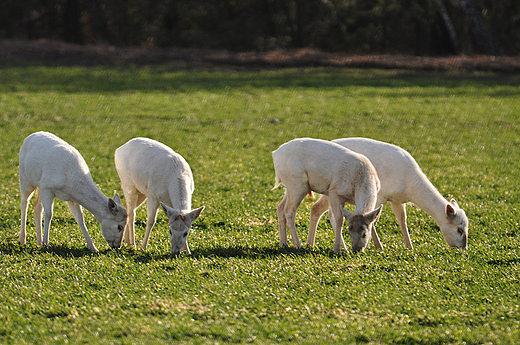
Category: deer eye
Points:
column 120, row 228
column 185, row 234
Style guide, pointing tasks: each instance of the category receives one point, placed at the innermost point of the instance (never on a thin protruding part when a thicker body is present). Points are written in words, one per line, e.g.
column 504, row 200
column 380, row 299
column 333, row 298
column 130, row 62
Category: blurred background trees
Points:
column 415, row 27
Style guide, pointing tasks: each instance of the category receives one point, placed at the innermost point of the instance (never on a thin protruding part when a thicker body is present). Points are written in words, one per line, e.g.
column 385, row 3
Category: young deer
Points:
column 305, row 165
column 402, row 181
column 150, row 169
column 57, row 170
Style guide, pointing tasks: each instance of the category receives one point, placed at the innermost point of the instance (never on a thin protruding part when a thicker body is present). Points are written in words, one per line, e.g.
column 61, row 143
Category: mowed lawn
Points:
column 238, row 286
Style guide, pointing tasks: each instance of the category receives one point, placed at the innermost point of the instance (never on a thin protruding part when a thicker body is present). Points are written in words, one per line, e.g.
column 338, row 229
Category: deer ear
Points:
column 117, row 199
column 454, row 203
column 196, row 213
column 112, row 206
column 346, row 214
column 374, row 215
column 450, row 211
column 170, row 212
column 167, row 209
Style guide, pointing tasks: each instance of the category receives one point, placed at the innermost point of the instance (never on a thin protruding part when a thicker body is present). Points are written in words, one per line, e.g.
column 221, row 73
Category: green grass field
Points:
column 238, row 286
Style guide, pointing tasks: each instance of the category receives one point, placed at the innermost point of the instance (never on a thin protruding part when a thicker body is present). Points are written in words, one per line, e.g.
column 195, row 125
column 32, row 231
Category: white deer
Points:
column 305, row 165
column 402, row 181
column 57, row 170
column 150, row 169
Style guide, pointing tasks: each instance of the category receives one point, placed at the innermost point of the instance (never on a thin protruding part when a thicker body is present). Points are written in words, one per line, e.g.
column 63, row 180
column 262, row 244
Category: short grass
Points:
column 238, row 286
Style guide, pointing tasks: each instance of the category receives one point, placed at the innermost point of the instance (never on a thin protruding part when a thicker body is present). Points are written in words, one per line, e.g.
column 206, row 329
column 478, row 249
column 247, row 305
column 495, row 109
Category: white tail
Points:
column 150, row 169
column 402, row 181
column 57, row 170
column 305, row 165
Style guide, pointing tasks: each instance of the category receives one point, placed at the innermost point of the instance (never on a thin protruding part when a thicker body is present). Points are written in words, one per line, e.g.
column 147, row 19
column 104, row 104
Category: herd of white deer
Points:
column 363, row 172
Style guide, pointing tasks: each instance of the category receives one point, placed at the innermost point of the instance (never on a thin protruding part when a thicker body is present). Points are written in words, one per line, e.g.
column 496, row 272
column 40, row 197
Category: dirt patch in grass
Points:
column 47, row 52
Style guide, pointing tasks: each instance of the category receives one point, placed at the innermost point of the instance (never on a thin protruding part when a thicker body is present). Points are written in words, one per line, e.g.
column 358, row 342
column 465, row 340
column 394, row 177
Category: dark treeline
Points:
column 417, row 27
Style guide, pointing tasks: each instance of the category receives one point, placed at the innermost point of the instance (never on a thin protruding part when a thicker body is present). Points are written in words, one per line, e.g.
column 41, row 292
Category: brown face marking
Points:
column 356, row 222
column 359, row 232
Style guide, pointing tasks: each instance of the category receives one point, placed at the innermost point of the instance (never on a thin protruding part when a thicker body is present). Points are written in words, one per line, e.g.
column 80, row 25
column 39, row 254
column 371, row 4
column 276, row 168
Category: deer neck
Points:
column 428, row 198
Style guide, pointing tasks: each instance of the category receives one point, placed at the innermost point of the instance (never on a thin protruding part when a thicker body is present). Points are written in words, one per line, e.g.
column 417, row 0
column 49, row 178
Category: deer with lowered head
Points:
column 55, row 169
column 151, row 170
column 305, row 165
column 402, row 181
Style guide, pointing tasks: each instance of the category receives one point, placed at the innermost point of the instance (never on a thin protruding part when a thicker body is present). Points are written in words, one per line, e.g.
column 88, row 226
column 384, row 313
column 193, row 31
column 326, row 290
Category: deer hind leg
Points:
column 27, row 192
column 38, row 212
column 134, row 199
column 291, row 205
column 282, row 222
column 47, row 200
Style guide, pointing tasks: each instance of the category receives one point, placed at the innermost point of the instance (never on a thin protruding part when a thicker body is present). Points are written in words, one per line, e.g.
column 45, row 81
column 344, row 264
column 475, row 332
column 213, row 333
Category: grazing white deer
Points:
column 305, row 165
column 57, row 170
column 150, row 169
column 402, row 181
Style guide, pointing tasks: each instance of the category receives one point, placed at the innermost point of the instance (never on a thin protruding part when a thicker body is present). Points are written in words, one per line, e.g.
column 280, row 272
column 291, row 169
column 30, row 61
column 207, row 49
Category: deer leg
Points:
column 400, row 212
column 317, row 210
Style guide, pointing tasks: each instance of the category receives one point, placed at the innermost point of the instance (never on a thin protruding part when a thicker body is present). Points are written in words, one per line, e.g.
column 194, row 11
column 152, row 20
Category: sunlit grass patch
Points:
column 238, row 286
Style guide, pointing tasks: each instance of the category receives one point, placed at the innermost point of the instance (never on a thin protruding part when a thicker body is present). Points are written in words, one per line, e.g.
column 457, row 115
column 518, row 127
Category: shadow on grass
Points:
column 260, row 252
column 109, row 79
column 253, row 253
column 14, row 248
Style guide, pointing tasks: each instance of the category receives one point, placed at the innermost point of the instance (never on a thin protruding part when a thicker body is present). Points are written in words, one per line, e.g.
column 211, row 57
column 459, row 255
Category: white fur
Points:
column 402, row 181
column 150, row 169
column 57, row 170
column 305, row 165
